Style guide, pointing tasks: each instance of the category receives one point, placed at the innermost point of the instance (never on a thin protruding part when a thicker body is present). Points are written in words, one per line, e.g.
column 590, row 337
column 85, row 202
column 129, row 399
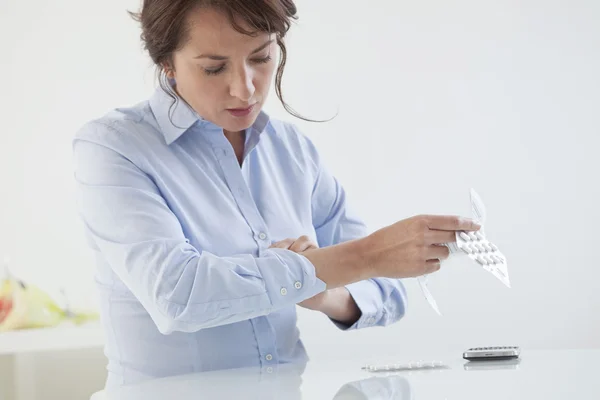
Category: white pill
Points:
column 480, row 247
column 490, row 260
column 494, row 247
column 479, row 235
column 482, row 260
column 487, row 247
column 468, row 250
column 473, row 248
column 472, row 236
column 464, row 236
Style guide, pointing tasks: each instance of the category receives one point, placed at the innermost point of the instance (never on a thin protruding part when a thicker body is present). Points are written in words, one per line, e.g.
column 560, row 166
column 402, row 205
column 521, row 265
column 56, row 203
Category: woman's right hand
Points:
column 406, row 249
column 414, row 246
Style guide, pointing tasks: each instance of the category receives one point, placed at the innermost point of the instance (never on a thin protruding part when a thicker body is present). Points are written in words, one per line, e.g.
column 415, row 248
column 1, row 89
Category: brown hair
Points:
column 165, row 29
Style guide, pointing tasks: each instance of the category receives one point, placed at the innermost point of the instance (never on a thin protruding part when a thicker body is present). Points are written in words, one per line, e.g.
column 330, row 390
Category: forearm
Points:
column 341, row 264
column 373, row 302
column 340, row 306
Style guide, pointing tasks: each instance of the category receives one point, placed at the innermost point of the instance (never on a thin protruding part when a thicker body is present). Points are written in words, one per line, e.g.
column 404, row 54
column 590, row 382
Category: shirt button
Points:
column 297, row 285
column 283, row 291
column 269, row 357
column 270, row 370
column 262, row 236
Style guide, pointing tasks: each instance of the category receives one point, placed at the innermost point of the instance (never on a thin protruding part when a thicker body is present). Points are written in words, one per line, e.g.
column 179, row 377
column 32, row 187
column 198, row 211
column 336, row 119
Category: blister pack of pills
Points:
column 485, row 253
column 411, row 366
column 477, row 247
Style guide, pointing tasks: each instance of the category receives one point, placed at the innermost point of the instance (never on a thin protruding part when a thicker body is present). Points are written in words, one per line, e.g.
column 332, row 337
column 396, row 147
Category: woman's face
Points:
column 224, row 75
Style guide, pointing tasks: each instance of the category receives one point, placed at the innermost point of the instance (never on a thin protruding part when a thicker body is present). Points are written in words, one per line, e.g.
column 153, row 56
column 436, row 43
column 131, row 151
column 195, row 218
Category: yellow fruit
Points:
column 24, row 306
column 27, row 307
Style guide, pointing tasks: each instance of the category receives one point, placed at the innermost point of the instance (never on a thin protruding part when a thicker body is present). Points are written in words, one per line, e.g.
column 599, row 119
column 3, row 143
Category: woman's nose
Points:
column 242, row 86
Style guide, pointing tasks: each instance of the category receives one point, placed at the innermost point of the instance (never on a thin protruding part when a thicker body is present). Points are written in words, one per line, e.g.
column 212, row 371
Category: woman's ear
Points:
column 168, row 71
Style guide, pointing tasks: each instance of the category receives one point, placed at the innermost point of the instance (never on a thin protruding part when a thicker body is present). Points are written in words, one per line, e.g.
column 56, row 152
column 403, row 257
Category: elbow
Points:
column 396, row 305
column 401, row 303
column 165, row 326
column 391, row 316
column 165, row 318
column 170, row 318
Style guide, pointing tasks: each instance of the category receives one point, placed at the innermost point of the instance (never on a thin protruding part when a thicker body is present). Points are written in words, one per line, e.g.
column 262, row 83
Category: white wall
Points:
column 434, row 98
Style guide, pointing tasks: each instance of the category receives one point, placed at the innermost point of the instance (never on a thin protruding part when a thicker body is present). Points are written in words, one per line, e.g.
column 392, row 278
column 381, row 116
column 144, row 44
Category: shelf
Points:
column 63, row 337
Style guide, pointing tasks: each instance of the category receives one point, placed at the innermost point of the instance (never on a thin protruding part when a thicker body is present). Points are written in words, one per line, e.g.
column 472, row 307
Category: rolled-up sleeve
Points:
column 182, row 288
column 382, row 301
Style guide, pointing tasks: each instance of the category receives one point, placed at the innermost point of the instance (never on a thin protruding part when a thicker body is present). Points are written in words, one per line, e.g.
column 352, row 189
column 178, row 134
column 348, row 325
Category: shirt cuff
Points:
column 367, row 296
column 295, row 282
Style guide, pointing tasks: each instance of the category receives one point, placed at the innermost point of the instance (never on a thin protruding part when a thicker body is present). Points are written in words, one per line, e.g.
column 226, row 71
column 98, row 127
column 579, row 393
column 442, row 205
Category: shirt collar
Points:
column 175, row 117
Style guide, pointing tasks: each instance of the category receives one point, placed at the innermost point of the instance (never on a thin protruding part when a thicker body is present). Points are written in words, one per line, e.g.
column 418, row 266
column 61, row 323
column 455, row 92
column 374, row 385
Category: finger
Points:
column 438, row 251
column 303, row 243
column 438, row 237
column 451, row 223
column 308, row 246
column 283, row 244
column 432, row 266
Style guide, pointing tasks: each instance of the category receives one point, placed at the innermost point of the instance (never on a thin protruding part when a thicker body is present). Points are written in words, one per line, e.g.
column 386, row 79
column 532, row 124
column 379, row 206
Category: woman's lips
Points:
column 241, row 112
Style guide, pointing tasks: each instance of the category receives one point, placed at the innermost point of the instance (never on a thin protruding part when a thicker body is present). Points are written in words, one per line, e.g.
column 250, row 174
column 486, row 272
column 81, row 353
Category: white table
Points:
column 548, row 375
column 21, row 347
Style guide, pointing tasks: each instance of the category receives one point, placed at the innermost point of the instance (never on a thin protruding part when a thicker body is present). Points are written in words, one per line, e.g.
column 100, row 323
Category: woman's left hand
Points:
column 299, row 245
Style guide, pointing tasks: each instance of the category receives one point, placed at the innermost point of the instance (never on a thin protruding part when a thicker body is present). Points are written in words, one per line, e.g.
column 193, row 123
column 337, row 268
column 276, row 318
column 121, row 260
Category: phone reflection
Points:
column 491, row 365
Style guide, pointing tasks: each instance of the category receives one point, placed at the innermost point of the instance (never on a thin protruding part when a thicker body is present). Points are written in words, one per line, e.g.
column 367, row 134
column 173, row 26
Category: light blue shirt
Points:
column 181, row 234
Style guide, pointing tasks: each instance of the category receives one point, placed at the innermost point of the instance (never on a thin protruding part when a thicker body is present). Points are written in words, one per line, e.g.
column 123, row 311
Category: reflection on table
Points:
column 550, row 375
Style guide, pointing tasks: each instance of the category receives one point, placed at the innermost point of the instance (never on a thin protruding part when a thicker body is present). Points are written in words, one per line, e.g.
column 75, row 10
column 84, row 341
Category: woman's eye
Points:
column 214, row 71
column 262, row 60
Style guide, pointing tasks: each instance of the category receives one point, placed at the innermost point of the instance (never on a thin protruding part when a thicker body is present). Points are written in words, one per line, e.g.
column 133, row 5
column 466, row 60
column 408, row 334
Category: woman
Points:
column 205, row 214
